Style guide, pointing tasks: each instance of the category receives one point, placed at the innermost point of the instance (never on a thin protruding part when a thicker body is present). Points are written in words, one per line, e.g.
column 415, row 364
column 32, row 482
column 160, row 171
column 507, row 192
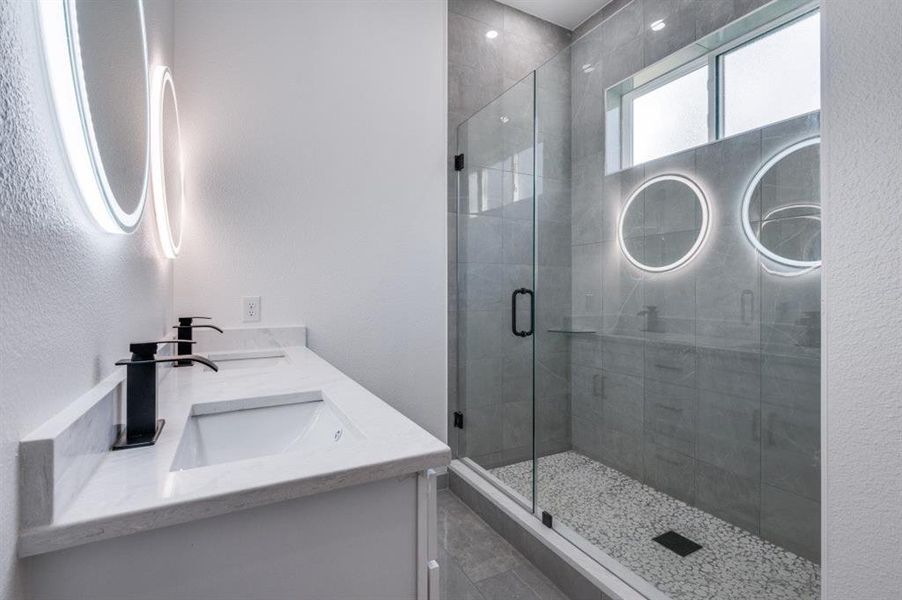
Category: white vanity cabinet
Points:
column 366, row 542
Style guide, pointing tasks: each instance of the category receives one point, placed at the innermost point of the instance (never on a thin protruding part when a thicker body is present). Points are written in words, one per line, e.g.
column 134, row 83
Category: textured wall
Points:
column 862, row 137
column 498, row 378
column 316, row 138
column 73, row 296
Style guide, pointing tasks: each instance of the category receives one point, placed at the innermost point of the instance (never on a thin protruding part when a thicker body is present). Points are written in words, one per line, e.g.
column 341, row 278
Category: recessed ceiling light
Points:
column 491, row 34
column 505, row 119
column 588, row 68
column 658, row 25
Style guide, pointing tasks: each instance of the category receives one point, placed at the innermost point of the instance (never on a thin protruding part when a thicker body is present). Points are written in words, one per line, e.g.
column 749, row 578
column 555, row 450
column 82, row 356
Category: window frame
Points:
column 714, row 61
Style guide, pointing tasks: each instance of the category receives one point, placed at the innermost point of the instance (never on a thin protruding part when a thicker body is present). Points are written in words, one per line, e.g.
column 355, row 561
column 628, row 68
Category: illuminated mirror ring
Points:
column 747, row 202
column 702, row 230
column 66, row 78
column 163, row 90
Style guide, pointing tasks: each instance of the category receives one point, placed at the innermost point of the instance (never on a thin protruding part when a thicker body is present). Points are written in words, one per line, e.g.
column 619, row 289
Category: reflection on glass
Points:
column 782, row 207
column 663, row 223
column 774, row 77
column 671, row 118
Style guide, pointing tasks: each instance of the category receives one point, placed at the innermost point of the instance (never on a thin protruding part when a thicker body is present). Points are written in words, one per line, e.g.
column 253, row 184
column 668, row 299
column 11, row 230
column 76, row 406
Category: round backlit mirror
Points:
column 96, row 56
column 781, row 209
column 167, row 168
column 663, row 223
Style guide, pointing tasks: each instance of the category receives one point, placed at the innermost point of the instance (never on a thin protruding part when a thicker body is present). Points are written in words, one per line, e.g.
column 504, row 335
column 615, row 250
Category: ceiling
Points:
column 566, row 13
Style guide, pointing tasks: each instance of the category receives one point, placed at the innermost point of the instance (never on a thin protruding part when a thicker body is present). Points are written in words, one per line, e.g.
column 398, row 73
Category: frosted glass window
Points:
column 773, row 78
column 671, row 117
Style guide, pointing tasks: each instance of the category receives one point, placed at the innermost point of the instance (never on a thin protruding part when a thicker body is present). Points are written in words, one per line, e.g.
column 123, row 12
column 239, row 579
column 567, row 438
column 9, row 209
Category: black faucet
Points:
column 141, row 425
column 652, row 324
column 186, row 324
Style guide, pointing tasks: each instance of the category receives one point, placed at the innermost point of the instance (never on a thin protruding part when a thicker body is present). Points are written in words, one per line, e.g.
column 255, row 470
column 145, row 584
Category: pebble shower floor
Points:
column 621, row 516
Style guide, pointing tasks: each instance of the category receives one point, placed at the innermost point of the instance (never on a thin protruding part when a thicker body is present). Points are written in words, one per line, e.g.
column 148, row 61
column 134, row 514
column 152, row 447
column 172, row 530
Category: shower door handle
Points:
column 532, row 310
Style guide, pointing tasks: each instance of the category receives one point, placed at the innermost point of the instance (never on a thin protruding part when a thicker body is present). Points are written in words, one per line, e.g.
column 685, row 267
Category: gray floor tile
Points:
column 541, row 585
column 506, row 586
column 454, row 584
column 478, row 564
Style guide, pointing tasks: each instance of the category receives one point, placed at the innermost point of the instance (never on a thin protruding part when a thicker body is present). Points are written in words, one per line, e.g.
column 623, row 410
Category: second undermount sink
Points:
column 245, row 359
column 220, row 432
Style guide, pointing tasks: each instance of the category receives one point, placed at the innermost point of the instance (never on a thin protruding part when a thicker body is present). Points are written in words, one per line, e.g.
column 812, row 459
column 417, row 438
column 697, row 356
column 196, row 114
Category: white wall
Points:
column 73, row 297
column 862, row 184
column 315, row 138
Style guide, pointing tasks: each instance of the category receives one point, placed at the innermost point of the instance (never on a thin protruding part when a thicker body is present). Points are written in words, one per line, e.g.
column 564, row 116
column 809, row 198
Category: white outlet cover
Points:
column 250, row 309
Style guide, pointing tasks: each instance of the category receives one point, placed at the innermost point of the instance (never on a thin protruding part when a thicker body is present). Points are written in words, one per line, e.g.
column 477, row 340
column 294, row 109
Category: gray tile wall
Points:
column 719, row 406
column 495, row 229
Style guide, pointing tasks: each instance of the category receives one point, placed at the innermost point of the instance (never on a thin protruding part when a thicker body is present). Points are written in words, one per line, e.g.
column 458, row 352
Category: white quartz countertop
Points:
column 135, row 490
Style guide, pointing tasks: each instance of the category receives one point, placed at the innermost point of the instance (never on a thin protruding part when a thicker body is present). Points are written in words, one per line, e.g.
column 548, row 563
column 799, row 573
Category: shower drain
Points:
column 677, row 543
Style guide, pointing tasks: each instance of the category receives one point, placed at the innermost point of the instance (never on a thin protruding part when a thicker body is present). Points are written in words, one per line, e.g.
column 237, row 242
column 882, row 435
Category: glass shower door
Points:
column 495, row 285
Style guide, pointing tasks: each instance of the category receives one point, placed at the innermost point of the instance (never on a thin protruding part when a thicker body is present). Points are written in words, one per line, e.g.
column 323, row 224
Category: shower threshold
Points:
column 609, row 514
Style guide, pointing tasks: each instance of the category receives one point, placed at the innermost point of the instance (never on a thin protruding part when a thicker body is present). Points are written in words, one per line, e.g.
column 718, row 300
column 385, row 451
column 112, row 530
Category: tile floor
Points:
column 478, row 564
column 621, row 516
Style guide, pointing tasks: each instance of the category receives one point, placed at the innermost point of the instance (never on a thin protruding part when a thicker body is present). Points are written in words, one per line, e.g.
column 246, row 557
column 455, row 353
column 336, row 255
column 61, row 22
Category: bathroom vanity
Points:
column 276, row 477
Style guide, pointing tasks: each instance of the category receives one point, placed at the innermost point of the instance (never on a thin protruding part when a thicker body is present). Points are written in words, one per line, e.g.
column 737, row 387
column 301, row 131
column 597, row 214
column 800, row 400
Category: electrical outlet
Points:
column 250, row 312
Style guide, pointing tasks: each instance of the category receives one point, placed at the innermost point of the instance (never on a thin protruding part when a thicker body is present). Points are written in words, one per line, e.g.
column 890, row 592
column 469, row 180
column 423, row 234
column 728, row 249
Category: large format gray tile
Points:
column 479, row 564
column 726, row 495
column 727, row 291
column 729, row 433
column 791, row 521
column 481, row 333
column 624, row 26
column 506, row 586
column 487, row 11
column 553, row 200
column 670, row 472
column 730, row 372
column 480, row 239
column 680, row 18
column 539, row 583
column 482, row 381
column 623, row 294
column 587, row 200
column 586, row 283
column 671, row 362
column 517, row 242
column 483, row 430
column 623, row 61
column 454, row 584
column 471, row 88
column 670, row 416
column 468, row 45
column 522, row 54
column 517, row 424
column 790, row 457
column 481, row 286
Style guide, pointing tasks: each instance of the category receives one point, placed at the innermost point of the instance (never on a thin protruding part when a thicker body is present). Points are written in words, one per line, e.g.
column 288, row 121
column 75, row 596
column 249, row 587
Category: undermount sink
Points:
column 248, row 359
column 220, row 432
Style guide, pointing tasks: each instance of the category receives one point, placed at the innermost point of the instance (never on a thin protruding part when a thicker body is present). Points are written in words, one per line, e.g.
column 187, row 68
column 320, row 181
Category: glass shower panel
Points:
column 495, row 260
column 664, row 412
column 550, row 222
column 691, row 356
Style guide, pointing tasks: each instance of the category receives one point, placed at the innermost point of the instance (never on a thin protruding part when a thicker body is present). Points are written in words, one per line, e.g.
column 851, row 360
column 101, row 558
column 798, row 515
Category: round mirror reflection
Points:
column 663, row 223
column 782, row 207
column 96, row 58
column 166, row 162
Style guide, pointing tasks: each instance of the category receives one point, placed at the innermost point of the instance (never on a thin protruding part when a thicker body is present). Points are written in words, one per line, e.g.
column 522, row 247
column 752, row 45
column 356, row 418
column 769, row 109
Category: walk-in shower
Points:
column 638, row 297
